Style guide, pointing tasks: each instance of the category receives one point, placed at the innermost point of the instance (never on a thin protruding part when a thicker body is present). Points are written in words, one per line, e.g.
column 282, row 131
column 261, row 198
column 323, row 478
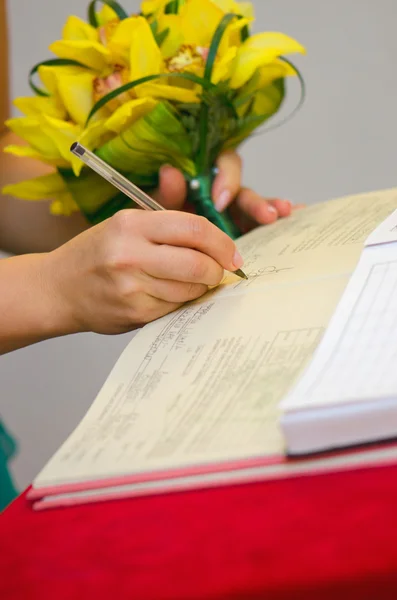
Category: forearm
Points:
column 28, row 226
column 30, row 310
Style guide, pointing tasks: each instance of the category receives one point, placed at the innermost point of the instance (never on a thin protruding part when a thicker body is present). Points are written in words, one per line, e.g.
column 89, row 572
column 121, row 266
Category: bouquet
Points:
column 178, row 83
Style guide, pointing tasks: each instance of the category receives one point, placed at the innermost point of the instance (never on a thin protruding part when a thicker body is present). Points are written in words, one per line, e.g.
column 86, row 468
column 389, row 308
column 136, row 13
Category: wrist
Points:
column 31, row 308
column 60, row 318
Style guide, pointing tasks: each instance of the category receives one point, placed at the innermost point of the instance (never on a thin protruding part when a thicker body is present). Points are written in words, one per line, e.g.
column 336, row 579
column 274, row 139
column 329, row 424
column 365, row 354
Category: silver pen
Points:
column 122, row 183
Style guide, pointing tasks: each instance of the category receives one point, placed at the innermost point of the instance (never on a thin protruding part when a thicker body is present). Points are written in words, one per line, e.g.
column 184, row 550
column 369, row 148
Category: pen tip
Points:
column 241, row 274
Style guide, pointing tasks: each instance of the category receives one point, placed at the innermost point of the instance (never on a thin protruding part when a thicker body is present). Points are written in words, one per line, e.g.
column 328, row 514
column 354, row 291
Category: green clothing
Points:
column 7, row 449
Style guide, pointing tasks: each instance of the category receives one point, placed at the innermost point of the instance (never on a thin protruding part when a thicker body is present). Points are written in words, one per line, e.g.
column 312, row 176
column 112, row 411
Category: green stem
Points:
column 199, row 195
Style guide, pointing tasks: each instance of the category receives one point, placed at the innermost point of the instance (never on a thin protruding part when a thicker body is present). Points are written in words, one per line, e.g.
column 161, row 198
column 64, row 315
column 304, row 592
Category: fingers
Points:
column 171, row 192
column 182, row 265
column 260, row 210
column 174, row 292
column 143, row 308
column 228, row 181
column 190, row 231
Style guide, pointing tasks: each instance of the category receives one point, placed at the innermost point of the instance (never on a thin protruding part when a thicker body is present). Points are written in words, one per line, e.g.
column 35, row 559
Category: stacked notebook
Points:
column 291, row 372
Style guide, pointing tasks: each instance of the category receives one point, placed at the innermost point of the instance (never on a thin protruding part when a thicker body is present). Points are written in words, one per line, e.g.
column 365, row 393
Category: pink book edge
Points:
column 41, row 504
column 198, row 470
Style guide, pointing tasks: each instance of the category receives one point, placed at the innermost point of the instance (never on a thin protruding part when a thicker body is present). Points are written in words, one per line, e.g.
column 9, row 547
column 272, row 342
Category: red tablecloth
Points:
column 323, row 537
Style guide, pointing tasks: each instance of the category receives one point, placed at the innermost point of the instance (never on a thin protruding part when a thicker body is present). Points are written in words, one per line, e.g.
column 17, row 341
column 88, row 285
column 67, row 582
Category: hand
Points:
column 136, row 267
column 248, row 208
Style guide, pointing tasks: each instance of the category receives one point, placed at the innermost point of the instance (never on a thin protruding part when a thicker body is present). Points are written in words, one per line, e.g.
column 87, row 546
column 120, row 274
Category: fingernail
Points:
column 237, row 260
column 164, row 168
column 223, row 200
column 271, row 209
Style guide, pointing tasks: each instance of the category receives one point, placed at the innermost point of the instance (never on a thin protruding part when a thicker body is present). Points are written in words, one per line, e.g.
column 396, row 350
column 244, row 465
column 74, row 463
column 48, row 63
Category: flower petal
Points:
column 77, row 29
column 246, row 9
column 128, row 113
column 149, row 7
column 200, row 19
column 91, row 54
column 30, row 130
column 29, row 152
column 275, row 70
column 175, row 36
column 49, row 75
column 223, row 66
column 120, row 42
column 76, row 92
column 145, row 55
column 168, row 92
column 92, row 137
column 62, row 134
column 46, row 187
column 64, row 205
column 106, row 15
column 36, row 105
column 258, row 50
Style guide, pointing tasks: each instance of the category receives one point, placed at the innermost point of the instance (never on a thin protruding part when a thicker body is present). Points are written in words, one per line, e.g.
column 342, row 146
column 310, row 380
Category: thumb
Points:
column 171, row 191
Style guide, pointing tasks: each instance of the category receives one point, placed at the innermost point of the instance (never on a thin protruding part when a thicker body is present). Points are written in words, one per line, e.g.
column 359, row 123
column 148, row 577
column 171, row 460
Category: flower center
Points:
column 186, row 56
column 104, row 85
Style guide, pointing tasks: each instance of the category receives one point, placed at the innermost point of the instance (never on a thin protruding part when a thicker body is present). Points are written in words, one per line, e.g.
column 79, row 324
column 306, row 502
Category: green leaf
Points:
column 154, row 27
column 203, row 152
column 96, row 198
column 160, row 37
column 92, row 16
column 274, row 94
column 172, row 8
column 245, row 33
column 216, row 40
column 54, row 62
column 153, row 140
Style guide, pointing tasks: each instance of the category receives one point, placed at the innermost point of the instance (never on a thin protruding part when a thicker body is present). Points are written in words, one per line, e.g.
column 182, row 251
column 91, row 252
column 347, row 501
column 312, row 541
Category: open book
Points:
column 348, row 395
column 194, row 400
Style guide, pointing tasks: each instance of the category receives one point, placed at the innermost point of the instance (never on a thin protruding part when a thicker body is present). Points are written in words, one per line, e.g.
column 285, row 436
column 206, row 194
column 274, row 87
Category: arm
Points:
column 30, row 312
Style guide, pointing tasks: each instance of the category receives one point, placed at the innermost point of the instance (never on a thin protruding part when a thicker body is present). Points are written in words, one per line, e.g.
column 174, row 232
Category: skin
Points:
column 135, row 267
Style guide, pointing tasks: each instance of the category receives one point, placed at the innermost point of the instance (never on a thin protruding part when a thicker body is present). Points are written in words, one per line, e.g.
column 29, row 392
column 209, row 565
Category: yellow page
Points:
column 322, row 240
column 204, row 383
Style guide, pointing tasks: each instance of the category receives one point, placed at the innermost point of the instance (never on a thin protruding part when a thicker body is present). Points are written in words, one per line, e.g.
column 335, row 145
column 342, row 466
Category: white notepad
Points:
column 348, row 395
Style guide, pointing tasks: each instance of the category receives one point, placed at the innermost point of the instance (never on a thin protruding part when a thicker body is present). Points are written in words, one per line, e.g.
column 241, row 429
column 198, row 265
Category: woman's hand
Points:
column 249, row 209
column 136, row 267
column 131, row 269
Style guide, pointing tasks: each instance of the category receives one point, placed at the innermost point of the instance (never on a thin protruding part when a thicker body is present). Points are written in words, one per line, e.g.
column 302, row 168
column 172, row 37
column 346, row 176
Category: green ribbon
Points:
column 200, row 196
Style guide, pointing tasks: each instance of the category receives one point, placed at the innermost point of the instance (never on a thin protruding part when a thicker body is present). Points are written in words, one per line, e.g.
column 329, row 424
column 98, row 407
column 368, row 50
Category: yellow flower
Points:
column 244, row 9
column 259, row 50
column 47, row 187
column 137, row 130
column 106, row 15
column 152, row 7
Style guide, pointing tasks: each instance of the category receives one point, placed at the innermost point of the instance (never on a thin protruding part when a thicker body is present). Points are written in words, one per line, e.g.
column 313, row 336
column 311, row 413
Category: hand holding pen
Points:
column 124, row 185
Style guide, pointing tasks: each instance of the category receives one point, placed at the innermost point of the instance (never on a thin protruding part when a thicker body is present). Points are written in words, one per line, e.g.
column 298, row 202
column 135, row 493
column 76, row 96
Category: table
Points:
column 318, row 537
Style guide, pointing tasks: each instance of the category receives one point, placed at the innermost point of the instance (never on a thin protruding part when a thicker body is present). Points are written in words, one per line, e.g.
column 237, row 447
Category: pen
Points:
column 122, row 183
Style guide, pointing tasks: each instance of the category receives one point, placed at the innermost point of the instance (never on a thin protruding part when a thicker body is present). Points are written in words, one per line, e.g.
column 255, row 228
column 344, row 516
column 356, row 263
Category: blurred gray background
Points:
column 343, row 141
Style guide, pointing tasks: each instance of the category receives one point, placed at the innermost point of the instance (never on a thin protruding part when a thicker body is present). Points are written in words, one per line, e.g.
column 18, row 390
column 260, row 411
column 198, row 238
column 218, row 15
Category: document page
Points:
column 357, row 357
column 204, row 384
column 322, row 240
